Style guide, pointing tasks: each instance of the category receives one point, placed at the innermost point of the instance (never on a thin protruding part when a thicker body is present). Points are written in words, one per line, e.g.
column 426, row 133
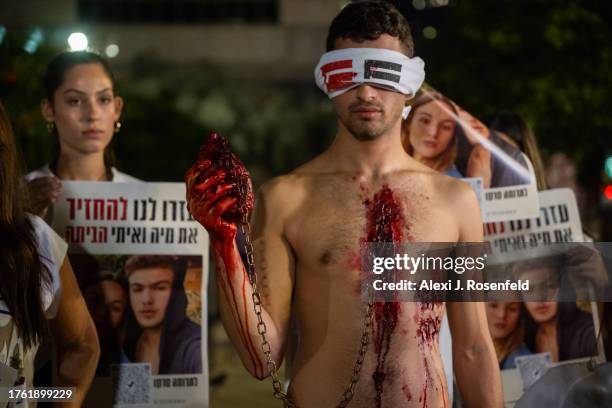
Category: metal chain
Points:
column 349, row 393
column 261, row 325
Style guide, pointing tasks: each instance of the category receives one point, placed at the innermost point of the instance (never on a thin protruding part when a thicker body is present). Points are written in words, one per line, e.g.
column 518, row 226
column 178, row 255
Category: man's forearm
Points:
column 238, row 313
column 478, row 376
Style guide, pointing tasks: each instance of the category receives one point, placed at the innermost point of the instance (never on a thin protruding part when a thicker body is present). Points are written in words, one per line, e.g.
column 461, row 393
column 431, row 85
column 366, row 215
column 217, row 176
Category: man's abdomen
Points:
column 402, row 366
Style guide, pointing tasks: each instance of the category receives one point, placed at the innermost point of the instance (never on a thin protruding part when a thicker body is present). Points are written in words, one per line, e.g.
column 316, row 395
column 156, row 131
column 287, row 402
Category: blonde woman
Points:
column 430, row 133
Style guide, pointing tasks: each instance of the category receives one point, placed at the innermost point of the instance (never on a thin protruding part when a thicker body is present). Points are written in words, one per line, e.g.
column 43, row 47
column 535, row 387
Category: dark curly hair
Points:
column 368, row 20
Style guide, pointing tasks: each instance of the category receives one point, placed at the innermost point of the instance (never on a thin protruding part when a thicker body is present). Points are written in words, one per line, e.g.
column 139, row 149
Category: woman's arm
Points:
column 75, row 337
column 479, row 165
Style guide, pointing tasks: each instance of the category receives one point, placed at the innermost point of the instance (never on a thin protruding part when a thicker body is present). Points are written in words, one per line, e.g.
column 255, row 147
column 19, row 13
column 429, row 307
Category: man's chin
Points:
column 365, row 134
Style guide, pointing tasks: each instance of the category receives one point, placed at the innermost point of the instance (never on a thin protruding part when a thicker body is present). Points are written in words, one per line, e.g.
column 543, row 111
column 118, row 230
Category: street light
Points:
column 77, row 42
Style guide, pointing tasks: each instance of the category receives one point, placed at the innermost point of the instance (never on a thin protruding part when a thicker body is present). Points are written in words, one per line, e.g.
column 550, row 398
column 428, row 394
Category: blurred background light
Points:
column 438, row 3
column 418, row 4
column 77, row 42
column 608, row 167
column 430, row 32
column 112, row 50
column 33, row 41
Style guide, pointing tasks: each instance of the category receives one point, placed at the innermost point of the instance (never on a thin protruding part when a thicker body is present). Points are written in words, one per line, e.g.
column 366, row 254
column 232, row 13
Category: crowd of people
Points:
column 139, row 315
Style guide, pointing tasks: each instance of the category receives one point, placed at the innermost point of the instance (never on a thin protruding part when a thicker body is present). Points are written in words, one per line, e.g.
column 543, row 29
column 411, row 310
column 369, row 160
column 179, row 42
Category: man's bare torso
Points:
column 326, row 223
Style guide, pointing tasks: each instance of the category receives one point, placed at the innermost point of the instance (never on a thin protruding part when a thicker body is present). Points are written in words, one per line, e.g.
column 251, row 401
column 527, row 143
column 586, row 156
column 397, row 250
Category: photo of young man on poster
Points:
column 158, row 330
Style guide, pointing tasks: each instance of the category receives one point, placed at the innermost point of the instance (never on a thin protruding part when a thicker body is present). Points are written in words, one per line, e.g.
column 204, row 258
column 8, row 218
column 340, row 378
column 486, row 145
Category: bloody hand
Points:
column 219, row 190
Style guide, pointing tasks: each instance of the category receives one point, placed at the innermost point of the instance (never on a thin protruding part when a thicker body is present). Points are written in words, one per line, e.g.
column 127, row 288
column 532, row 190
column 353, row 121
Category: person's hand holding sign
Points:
column 42, row 193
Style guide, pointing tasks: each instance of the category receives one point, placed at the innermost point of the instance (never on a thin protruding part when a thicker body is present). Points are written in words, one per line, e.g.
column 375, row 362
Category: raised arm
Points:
column 474, row 361
column 208, row 202
column 76, row 338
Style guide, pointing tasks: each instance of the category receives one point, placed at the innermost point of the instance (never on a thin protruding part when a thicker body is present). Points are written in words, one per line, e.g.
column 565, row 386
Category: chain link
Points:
column 277, row 386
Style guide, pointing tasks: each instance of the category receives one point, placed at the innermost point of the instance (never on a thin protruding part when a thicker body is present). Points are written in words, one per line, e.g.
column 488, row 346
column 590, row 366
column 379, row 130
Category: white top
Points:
column 52, row 251
column 45, row 171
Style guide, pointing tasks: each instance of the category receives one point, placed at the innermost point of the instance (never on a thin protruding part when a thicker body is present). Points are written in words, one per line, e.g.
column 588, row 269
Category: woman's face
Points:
column 542, row 312
column 431, row 130
column 502, row 318
column 84, row 110
column 115, row 300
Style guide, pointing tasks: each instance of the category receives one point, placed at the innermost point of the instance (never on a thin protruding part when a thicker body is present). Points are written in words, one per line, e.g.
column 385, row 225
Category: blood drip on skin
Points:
column 428, row 328
column 423, row 397
column 215, row 157
column 406, row 391
column 231, row 264
column 385, row 223
column 428, row 324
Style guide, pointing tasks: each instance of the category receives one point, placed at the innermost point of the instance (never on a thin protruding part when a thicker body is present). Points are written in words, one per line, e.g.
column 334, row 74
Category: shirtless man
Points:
column 307, row 230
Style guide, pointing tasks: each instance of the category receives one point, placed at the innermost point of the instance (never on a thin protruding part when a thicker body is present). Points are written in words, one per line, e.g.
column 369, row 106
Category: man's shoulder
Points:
column 281, row 195
column 281, row 185
column 190, row 331
column 440, row 184
column 460, row 202
column 295, row 181
column 447, row 193
column 457, row 193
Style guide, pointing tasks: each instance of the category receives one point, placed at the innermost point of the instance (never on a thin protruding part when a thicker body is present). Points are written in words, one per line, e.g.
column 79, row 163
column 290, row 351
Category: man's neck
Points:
column 370, row 158
column 147, row 348
column 81, row 167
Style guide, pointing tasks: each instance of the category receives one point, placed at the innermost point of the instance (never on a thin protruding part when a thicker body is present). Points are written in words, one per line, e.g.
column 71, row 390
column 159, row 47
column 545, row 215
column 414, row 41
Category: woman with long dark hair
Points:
column 82, row 113
column 34, row 271
column 561, row 328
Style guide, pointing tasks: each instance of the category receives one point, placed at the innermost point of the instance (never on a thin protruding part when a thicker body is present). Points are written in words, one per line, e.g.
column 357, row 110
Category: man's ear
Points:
column 47, row 110
column 118, row 101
